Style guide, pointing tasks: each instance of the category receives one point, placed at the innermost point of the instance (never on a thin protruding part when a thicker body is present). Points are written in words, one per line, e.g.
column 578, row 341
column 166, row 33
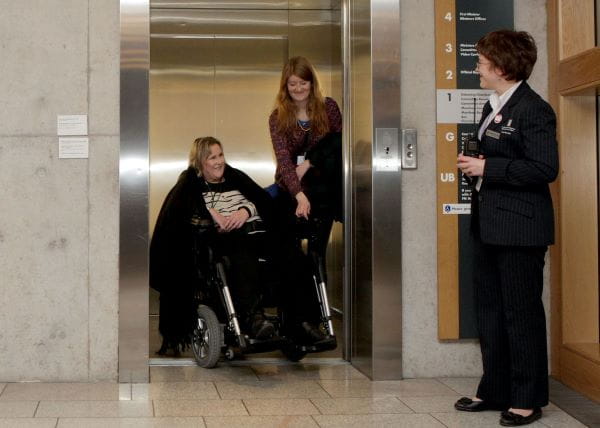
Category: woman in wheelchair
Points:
column 239, row 209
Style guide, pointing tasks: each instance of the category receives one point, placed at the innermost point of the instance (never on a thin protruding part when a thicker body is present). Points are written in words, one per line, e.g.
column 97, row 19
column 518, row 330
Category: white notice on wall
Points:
column 456, row 209
column 72, row 124
column 73, row 147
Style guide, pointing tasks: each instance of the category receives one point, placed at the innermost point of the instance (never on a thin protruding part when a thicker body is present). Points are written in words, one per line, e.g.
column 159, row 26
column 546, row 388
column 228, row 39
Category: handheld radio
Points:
column 472, row 145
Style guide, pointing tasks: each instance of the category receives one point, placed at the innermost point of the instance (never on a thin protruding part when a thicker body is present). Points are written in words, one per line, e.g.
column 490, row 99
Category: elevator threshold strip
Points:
column 182, row 362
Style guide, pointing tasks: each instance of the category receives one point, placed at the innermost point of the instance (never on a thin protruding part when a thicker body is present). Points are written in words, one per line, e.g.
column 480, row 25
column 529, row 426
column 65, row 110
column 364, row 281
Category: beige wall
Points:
column 423, row 354
column 58, row 217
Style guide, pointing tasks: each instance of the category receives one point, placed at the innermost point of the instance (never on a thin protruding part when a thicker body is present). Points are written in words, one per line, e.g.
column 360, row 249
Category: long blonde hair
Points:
column 200, row 151
column 315, row 108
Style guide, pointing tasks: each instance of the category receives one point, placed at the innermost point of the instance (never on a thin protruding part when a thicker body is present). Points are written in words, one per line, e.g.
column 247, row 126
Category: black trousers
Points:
column 512, row 325
column 297, row 293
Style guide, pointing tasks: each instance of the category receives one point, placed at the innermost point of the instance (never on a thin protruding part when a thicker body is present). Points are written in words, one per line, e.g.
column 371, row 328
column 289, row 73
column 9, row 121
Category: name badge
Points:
column 492, row 134
column 299, row 159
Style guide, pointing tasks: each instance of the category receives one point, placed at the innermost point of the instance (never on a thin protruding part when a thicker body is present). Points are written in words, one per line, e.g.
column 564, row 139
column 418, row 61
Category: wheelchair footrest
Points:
column 327, row 344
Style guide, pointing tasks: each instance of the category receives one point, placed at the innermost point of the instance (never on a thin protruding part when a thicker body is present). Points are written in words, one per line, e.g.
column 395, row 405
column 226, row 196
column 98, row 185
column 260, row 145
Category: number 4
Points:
column 448, row 16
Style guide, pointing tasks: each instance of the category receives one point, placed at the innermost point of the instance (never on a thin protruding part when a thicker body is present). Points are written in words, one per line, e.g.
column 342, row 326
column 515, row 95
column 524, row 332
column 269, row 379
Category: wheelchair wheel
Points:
column 292, row 352
column 207, row 338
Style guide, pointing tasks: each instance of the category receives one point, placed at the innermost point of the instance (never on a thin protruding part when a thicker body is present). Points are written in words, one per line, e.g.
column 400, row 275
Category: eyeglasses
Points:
column 480, row 63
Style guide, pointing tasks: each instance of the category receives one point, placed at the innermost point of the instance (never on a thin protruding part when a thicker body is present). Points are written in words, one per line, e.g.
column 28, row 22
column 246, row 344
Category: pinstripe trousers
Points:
column 512, row 325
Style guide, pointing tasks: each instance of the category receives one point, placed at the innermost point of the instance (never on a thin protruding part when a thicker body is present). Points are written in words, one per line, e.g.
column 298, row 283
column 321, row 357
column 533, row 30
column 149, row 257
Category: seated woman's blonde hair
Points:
column 200, row 151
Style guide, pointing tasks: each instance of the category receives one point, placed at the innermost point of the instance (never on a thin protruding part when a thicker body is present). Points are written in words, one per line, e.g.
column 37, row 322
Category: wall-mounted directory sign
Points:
column 459, row 24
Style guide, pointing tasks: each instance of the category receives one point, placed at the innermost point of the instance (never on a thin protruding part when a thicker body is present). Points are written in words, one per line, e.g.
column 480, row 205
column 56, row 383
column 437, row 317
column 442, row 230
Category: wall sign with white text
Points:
column 459, row 24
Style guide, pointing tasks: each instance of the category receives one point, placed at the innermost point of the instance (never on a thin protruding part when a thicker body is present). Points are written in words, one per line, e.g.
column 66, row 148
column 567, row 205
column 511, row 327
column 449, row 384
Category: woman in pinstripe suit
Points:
column 513, row 224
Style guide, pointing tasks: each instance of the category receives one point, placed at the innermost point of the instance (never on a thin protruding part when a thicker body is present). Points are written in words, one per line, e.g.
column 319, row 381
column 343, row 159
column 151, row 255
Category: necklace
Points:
column 303, row 127
column 214, row 194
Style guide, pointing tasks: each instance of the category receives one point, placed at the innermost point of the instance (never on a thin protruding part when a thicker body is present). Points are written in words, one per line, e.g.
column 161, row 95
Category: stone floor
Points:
column 253, row 393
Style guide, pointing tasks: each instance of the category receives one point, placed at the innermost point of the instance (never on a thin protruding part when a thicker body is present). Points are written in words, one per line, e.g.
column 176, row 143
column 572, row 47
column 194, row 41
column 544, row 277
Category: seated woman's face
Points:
column 214, row 166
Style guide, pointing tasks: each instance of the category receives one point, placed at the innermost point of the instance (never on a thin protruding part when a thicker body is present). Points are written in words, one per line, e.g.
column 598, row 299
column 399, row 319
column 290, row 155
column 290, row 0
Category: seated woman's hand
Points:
column 303, row 207
column 219, row 219
column 236, row 220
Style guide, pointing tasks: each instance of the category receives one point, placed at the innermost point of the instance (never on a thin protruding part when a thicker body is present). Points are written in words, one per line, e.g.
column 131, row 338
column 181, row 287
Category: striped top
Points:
column 227, row 200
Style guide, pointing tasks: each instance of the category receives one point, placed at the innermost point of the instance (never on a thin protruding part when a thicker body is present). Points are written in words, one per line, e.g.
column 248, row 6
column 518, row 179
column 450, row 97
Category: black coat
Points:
column 324, row 182
column 173, row 269
column 513, row 206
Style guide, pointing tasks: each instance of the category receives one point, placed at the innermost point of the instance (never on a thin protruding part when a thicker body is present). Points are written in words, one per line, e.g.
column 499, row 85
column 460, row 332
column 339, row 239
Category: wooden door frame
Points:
column 574, row 79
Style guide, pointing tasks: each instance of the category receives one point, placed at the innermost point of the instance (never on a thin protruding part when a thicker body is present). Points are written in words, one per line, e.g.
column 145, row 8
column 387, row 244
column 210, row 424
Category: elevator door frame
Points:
column 383, row 280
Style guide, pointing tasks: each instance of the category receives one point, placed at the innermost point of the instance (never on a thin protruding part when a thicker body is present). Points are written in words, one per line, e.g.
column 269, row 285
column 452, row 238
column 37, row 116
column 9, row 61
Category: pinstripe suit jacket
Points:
column 514, row 206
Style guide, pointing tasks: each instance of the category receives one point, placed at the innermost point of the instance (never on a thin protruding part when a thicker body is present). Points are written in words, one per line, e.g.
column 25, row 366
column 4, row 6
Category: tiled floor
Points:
column 260, row 393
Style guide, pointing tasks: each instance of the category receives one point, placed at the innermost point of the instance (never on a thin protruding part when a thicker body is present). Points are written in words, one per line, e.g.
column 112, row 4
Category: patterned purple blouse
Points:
column 289, row 147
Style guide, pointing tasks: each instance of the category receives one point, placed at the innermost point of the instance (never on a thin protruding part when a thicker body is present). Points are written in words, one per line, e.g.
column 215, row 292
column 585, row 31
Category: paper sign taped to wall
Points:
column 72, row 124
column 73, row 147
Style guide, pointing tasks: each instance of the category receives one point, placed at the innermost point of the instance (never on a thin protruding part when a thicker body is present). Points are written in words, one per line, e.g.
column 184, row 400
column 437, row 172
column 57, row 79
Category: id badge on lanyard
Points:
column 302, row 157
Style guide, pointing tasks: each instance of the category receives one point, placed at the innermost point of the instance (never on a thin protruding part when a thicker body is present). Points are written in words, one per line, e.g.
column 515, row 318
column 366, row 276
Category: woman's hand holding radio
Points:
column 470, row 166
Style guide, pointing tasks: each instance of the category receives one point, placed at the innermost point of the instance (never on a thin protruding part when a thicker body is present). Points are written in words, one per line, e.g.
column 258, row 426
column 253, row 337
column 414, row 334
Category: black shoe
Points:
column 465, row 404
column 164, row 349
column 510, row 419
column 262, row 329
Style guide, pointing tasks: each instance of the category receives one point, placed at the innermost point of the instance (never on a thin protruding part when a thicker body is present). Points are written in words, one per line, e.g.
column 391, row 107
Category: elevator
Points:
column 197, row 67
column 214, row 71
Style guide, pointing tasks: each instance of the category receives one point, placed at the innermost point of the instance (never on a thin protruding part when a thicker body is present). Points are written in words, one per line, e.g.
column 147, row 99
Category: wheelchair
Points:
column 218, row 333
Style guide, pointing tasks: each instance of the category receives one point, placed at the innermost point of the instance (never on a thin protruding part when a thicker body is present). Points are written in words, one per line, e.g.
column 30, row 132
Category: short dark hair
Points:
column 513, row 52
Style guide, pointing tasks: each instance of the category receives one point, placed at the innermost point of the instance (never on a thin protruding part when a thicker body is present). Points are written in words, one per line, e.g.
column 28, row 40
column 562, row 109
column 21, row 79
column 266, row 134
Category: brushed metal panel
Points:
column 316, row 34
column 246, row 82
column 335, row 268
column 361, row 184
column 315, row 4
column 387, row 259
column 373, row 60
column 219, row 4
column 133, row 174
column 232, row 4
column 348, row 171
column 226, row 22
column 182, row 103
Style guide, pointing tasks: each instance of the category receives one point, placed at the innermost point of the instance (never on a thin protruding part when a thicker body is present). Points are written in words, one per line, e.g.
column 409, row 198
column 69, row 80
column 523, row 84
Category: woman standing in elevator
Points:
column 301, row 119
column 302, row 116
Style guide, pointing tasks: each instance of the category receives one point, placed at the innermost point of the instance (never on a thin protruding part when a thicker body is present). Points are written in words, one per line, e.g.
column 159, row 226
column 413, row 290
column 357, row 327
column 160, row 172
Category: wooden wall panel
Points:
column 576, row 27
column 579, row 214
column 573, row 67
column 445, row 32
column 447, row 236
column 581, row 373
column 555, row 250
column 579, row 72
column 446, row 152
